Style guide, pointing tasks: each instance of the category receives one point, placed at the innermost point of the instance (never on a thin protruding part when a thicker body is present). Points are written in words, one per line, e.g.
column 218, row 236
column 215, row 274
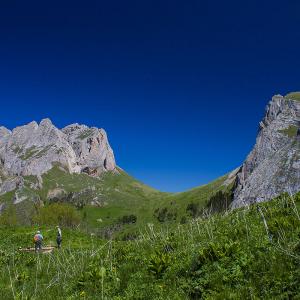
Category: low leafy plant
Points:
column 158, row 263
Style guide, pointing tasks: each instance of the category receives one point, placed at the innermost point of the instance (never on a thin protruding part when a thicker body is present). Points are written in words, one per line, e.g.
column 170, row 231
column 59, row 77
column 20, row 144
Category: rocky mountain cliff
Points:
column 34, row 149
column 39, row 162
column 273, row 166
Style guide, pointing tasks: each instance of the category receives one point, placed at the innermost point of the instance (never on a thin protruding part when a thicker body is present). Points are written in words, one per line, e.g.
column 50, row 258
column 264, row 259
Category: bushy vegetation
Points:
column 164, row 214
column 291, row 131
column 220, row 201
column 9, row 217
column 57, row 214
column 293, row 96
column 128, row 219
column 249, row 253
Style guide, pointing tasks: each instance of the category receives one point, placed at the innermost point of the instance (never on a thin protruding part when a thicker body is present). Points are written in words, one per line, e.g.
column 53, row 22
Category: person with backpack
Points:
column 58, row 237
column 38, row 240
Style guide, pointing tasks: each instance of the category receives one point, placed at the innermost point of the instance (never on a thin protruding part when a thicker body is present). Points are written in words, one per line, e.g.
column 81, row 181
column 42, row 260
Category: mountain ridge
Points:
column 39, row 162
column 273, row 165
column 33, row 149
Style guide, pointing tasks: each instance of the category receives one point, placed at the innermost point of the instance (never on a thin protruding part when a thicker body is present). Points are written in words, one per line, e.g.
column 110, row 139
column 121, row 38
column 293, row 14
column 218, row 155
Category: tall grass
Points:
column 251, row 253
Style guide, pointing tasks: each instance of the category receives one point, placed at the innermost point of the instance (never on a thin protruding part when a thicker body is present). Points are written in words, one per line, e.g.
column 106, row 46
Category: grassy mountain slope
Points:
column 248, row 253
column 104, row 202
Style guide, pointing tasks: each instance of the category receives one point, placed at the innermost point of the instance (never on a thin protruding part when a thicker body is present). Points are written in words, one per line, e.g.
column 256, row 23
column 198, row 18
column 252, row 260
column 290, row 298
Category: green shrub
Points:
column 220, row 201
column 58, row 213
column 128, row 219
column 9, row 216
column 163, row 214
column 158, row 263
column 193, row 209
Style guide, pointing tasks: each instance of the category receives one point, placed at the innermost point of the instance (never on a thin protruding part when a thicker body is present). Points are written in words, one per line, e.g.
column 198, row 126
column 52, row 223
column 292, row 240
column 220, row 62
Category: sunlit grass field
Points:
column 249, row 253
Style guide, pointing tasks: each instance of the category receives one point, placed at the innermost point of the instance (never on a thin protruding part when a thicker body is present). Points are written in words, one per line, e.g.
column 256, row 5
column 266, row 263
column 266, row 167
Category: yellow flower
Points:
column 82, row 294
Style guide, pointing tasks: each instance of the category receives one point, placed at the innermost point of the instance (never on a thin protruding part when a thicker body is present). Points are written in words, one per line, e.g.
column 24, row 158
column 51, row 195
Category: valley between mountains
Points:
column 237, row 237
column 41, row 165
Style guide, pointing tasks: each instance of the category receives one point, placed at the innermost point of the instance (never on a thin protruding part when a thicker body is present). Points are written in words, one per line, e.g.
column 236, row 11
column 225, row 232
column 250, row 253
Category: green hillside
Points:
column 115, row 204
column 249, row 253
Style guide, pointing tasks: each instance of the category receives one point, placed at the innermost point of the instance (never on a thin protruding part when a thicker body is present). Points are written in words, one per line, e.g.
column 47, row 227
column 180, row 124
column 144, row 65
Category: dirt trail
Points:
column 46, row 249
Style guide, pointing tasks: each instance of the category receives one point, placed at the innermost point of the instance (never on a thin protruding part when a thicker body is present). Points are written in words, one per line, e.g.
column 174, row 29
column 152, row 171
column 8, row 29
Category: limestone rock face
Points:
column 34, row 148
column 11, row 184
column 4, row 135
column 93, row 152
column 273, row 166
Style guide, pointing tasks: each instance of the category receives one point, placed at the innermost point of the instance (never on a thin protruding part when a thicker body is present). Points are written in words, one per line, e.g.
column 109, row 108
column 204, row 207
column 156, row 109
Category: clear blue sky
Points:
column 179, row 86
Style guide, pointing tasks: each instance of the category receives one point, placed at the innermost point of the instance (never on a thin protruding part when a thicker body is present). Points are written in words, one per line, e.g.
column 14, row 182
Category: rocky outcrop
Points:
column 34, row 148
column 273, row 166
column 93, row 152
column 4, row 136
column 11, row 184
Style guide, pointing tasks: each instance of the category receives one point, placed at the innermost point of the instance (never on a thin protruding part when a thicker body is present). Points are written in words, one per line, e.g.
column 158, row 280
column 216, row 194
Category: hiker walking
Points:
column 38, row 240
column 58, row 237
